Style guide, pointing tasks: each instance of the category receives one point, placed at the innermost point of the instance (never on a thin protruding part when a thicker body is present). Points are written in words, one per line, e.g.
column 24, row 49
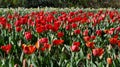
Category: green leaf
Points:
column 100, row 64
column 81, row 54
column 93, row 65
column 21, row 57
column 68, row 65
column 51, row 63
column 1, row 40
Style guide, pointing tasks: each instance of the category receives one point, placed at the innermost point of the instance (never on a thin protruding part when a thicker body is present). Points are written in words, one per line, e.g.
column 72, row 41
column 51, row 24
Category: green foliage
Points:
column 60, row 3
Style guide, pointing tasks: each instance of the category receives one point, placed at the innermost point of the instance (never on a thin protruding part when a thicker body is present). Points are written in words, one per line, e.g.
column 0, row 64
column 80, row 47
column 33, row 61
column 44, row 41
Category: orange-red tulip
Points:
column 118, row 43
column 28, row 49
column 90, row 44
column 113, row 40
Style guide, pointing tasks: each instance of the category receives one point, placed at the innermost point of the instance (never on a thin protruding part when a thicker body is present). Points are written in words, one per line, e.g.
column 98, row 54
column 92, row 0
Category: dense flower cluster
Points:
column 78, row 35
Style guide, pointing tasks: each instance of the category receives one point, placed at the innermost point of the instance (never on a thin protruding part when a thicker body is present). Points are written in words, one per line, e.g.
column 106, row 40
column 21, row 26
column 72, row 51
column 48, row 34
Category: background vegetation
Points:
column 60, row 3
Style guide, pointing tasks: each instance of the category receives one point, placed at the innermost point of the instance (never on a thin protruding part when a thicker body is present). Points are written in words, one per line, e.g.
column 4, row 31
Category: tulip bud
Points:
column 31, row 65
column 88, row 56
column 24, row 63
column 16, row 65
column 109, row 60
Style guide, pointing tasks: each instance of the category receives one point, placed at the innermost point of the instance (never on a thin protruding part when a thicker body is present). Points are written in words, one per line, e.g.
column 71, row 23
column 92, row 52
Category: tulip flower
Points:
column 90, row 44
column 77, row 31
column 28, row 49
column 74, row 48
column 85, row 33
column 76, row 43
column 98, row 51
column 18, row 29
column 60, row 34
column 74, row 25
column 118, row 43
column 6, row 48
column 58, row 42
column 99, row 32
column 113, row 40
column 43, row 40
column 86, row 38
column 28, row 35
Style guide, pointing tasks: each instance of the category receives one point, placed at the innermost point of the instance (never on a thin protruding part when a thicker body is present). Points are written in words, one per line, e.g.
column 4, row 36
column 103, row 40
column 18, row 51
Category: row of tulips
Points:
column 58, row 38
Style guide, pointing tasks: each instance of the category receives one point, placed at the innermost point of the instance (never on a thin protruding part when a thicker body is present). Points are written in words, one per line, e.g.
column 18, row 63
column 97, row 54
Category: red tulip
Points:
column 68, row 27
column 40, row 29
column 42, row 43
column 71, row 13
column 85, row 33
column 84, row 19
column 77, row 31
column 18, row 29
column 43, row 40
column 98, row 51
column 47, row 46
column 6, row 48
column 116, row 36
column 8, row 26
column 60, row 34
column 48, row 26
column 10, row 16
column 86, row 38
column 17, row 23
column 55, row 28
column 74, row 48
column 99, row 32
column 28, row 35
column 118, row 29
column 74, row 25
column 57, row 24
column 43, row 49
column 58, row 42
column 76, row 43
column 92, row 37
column 111, row 31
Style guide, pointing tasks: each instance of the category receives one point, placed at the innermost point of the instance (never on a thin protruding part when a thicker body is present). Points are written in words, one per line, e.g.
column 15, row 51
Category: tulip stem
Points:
column 72, row 57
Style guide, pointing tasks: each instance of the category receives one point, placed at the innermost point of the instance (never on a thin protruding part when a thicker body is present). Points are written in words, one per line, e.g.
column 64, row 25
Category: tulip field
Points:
column 56, row 37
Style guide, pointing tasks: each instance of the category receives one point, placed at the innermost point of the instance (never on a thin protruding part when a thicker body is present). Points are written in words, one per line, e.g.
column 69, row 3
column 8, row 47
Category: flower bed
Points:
column 59, row 37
